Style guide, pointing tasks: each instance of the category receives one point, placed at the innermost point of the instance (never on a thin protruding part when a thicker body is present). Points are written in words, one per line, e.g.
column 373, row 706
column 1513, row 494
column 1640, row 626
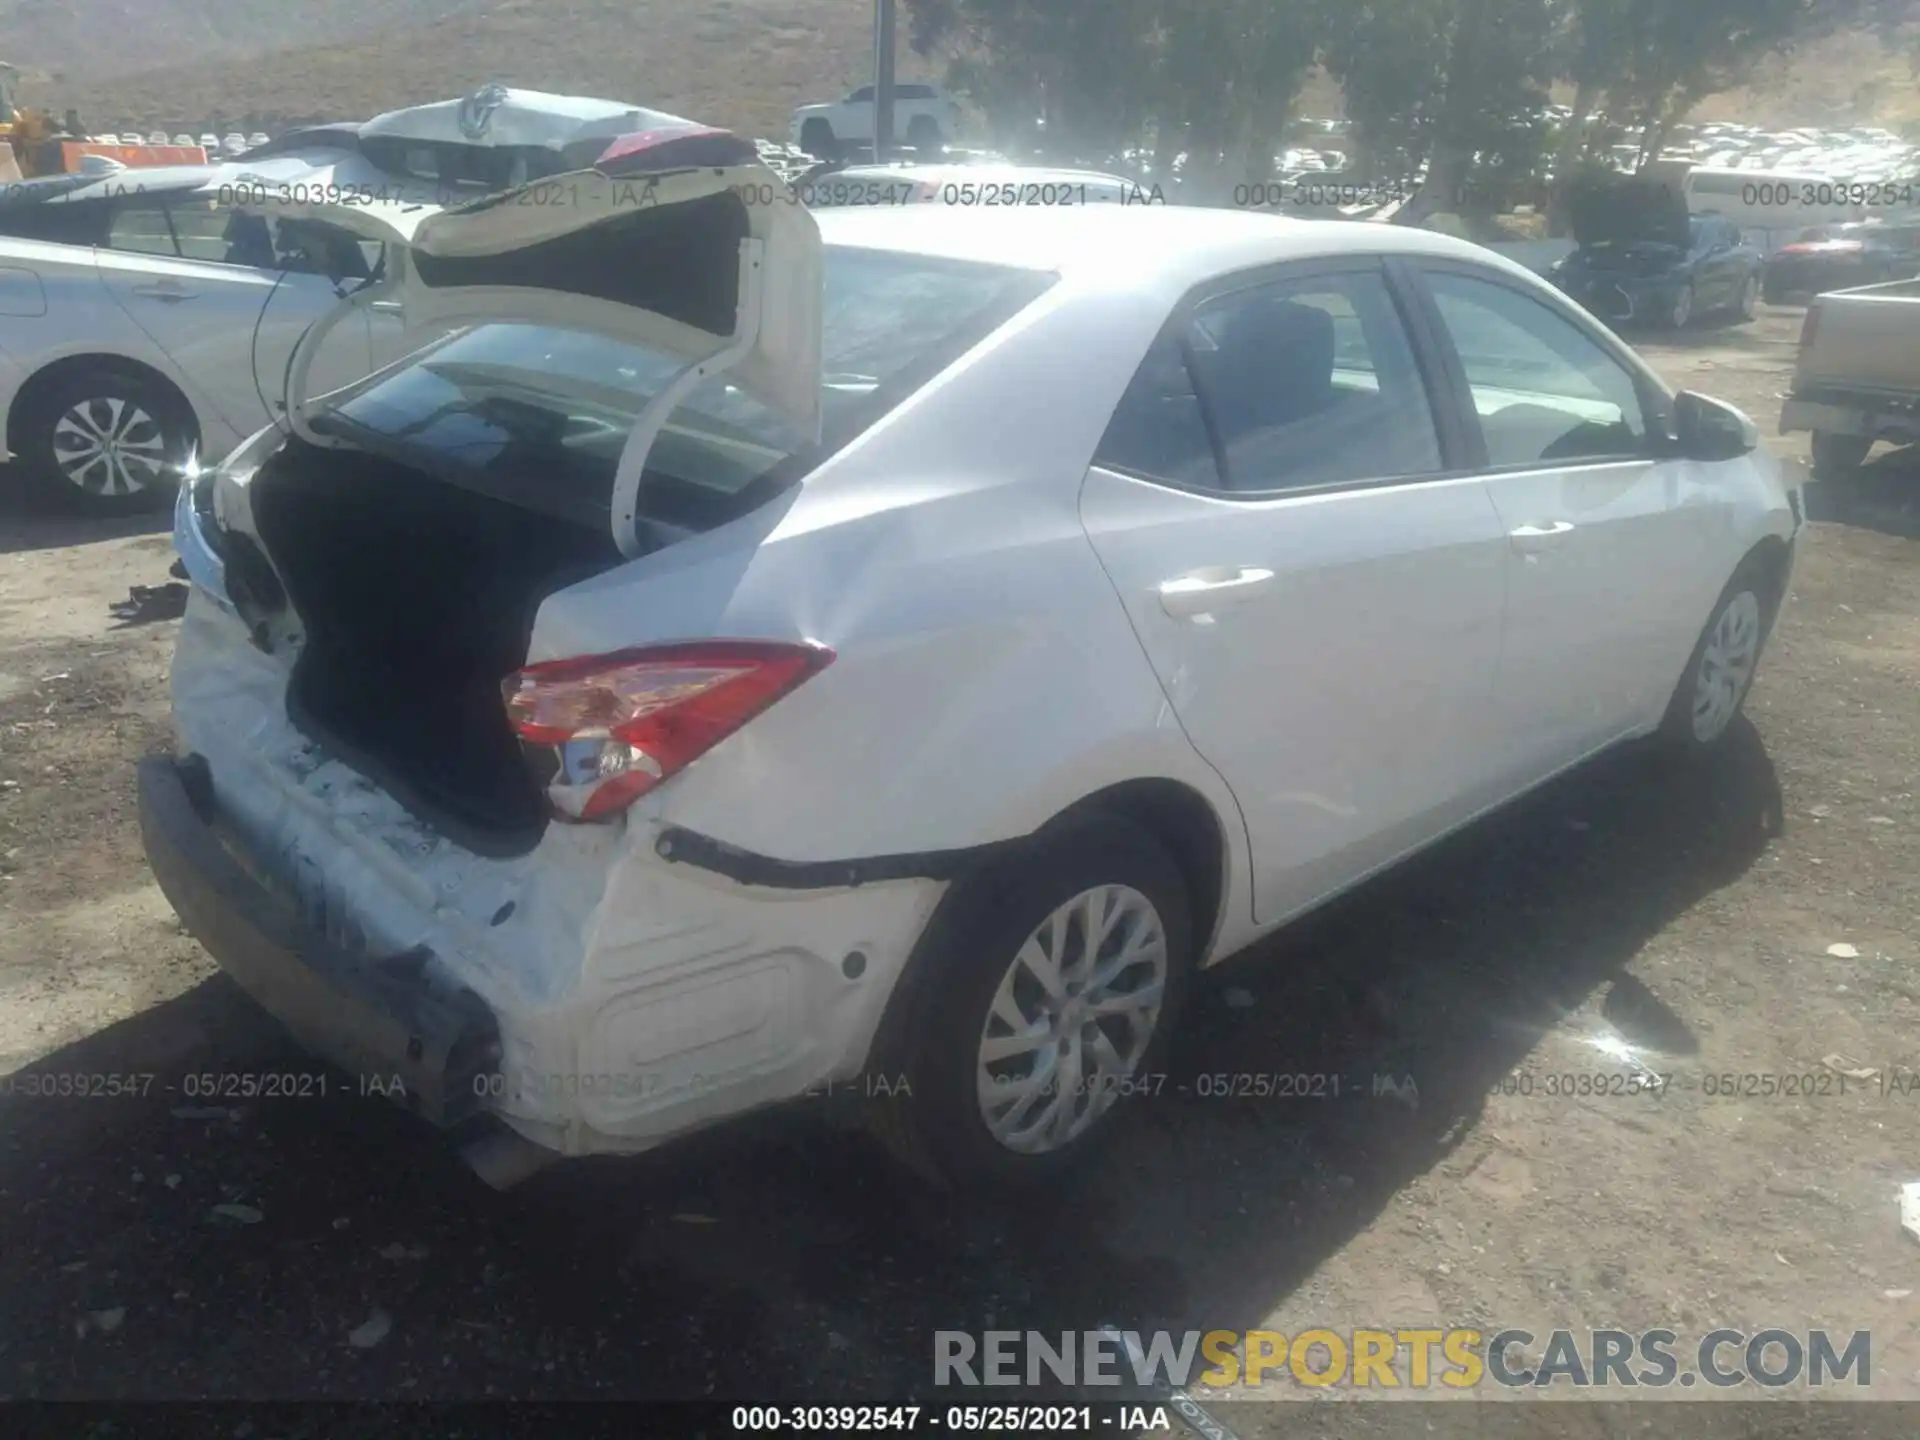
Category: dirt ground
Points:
column 1693, row 913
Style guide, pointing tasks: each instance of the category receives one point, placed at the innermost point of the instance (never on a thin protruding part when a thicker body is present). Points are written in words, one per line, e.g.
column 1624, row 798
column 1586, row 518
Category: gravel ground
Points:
column 1697, row 913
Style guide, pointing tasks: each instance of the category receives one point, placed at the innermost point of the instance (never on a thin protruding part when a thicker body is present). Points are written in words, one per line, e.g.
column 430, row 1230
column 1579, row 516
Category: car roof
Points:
column 134, row 180
column 1159, row 246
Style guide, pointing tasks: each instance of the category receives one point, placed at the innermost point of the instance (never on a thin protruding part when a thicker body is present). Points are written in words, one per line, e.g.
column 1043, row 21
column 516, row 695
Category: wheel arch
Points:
column 49, row 375
column 1178, row 816
column 1771, row 559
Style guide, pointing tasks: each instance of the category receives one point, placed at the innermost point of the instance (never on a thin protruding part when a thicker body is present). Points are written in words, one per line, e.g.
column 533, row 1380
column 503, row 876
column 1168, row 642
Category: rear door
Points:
column 211, row 289
column 1613, row 550
column 1319, row 594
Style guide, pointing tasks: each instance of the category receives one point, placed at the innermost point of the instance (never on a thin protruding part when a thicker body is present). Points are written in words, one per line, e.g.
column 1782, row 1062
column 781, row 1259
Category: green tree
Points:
column 1451, row 82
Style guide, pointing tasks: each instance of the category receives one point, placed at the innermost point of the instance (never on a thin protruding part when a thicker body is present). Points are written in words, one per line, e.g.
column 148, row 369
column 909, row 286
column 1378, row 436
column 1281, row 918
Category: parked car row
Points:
column 619, row 714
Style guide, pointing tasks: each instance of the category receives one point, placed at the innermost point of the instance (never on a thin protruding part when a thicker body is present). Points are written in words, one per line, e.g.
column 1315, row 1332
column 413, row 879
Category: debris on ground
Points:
column 244, row 1214
column 146, row 603
column 1910, row 1208
column 397, row 1251
column 1843, row 951
column 372, row 1332
column 1849, row 1067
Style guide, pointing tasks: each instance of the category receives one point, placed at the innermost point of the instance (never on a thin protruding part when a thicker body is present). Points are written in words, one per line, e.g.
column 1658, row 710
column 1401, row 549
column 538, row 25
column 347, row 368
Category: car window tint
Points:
column 141, row 230
column 1543, row 389
column 206, row 234
column 311, row 247
column 1158, row 429
column 1312, row 382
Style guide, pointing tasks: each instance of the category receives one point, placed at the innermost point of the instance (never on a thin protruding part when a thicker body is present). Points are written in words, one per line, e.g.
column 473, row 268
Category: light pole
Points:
column 882, row 79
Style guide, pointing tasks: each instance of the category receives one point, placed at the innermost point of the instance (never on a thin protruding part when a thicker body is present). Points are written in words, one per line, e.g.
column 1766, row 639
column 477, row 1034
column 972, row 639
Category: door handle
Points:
column 1532, row 539
column 1214, row 589
column 386, row 307
column 172, row 294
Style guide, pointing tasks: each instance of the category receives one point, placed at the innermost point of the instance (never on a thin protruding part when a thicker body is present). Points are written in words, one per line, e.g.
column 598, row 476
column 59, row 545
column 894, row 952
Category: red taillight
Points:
column 620, row 724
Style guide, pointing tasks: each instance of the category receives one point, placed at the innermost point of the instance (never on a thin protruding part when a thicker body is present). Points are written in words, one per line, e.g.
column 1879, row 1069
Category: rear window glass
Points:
column 506, row 401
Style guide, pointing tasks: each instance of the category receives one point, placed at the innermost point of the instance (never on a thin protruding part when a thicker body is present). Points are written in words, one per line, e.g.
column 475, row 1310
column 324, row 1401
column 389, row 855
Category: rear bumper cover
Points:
column 1887, row 419
column 378, row 1019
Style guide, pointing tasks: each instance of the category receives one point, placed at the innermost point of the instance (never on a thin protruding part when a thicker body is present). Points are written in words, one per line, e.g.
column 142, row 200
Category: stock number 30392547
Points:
column 912, row 1419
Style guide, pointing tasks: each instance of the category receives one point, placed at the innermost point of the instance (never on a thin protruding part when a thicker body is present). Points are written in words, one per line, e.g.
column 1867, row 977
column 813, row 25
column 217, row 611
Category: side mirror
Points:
column 1708, row 430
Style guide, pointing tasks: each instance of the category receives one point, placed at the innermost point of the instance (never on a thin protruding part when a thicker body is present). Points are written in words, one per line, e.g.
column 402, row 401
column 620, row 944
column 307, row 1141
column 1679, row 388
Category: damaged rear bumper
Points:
column 380, row 1020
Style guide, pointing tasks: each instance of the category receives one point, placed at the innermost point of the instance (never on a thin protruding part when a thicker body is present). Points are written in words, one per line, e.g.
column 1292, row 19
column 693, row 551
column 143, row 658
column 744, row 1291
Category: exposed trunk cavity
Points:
column 417, row 599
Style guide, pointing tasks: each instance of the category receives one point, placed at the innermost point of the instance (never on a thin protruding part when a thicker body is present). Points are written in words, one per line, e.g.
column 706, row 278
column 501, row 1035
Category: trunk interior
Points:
column 417, row 598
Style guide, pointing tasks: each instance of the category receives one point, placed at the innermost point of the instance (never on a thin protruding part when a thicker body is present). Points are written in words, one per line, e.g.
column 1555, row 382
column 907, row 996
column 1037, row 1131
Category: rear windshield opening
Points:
column 538, row 415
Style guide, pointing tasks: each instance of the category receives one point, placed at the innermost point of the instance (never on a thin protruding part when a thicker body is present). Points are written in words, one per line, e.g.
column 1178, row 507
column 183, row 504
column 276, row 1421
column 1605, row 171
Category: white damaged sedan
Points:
column 756, row 650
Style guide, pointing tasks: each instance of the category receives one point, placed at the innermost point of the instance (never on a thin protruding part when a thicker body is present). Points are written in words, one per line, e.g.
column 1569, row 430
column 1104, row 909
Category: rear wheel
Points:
column 816, row 138
column 924, row 133
column 1052, row 986
column 1837, row 456
column 105, row 441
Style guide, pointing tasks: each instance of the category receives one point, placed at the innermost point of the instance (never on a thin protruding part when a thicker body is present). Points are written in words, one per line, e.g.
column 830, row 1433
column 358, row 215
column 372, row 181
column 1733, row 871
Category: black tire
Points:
column 924, row 133
column 934, row 1122
column 1838, row 456
column 1755, row 583
column 148, row 417
column 817, row 139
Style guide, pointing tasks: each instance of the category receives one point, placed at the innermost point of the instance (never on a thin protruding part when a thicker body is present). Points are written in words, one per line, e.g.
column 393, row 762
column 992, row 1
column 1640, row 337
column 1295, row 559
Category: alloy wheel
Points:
column 1726, row 666
column 107, row 445
column 1072, row 1017
column 1682, row 309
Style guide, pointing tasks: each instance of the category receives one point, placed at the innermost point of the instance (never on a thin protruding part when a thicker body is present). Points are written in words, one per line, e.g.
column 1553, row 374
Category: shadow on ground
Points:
column 31, row 521
column 785, row 1257
column 1882, row 495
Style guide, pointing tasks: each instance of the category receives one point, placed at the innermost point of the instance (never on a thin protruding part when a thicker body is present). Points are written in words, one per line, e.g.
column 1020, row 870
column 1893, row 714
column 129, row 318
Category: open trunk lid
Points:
column 678, row 239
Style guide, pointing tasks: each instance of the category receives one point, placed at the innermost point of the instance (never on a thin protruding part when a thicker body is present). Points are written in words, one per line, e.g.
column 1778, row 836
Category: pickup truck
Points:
column 1857, row 379
column 923, row 117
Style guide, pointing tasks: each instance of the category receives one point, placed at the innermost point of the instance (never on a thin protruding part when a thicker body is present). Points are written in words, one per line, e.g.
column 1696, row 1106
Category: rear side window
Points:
column 1543, row 390
column 141, row 230
column 1284, row 386
column 79, row 223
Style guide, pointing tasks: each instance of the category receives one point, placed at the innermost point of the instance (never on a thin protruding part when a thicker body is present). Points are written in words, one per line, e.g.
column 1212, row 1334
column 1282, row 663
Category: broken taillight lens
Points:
column 620, row 724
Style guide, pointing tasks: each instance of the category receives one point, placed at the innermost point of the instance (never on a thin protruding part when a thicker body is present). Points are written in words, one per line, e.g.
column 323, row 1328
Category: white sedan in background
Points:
column 897, row 647
column 143, row 321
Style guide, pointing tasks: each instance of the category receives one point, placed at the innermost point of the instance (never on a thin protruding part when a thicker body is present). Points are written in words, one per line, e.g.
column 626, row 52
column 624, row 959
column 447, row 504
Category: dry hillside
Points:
column 743, row 63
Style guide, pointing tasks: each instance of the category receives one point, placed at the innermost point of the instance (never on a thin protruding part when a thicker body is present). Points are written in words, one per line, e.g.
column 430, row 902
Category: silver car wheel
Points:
column 1726, row 666
column 1682, row 309
column 1073, row 1015
column 109, row 446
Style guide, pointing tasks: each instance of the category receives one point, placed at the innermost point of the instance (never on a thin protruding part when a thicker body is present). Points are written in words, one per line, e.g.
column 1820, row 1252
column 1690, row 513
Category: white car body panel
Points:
column 1001, row 654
